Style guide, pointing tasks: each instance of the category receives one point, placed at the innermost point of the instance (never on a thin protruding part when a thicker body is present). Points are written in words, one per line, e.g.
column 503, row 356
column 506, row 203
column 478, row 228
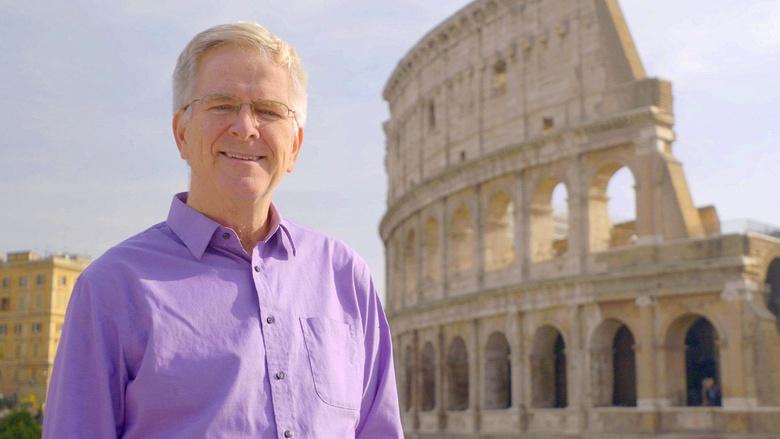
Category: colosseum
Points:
column 512, row 319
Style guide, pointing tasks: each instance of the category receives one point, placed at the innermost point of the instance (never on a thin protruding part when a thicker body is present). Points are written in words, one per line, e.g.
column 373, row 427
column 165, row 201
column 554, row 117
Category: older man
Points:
column 227, row 320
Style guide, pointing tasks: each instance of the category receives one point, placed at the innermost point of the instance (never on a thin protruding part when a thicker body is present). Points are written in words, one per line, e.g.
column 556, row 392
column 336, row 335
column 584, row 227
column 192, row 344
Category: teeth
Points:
column 242, row 157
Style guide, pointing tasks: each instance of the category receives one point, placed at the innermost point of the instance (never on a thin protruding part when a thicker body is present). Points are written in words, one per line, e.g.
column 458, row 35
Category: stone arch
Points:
column 410, row 266
column 613, row 365
column 773, row 283
column 548, row 369
column 432, row 251
column 549, row 234
column 462, row 240
column 499, row 232
column 457, row 375
column 408, row 378
column 428, row 378
column 603, row 232
column 498, row 372
column 693, row 355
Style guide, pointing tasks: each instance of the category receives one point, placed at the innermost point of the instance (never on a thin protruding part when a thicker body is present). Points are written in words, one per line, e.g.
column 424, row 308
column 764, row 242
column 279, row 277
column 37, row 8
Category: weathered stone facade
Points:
column 505, row 329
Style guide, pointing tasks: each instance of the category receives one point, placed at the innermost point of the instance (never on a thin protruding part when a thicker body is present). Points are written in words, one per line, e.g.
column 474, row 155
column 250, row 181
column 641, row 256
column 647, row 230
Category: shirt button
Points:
column 280, row 375
column 226, row 235
column 270, row 320
column 288, row 433
column 257, row 268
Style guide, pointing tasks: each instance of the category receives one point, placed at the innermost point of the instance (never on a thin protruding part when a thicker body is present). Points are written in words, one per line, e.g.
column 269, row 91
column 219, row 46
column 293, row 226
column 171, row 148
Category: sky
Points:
column 88, row 158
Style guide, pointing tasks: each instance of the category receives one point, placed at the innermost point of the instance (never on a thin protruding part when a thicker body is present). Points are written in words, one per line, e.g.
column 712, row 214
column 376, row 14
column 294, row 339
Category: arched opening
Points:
column 548, row 369
column 498, row 372
column 612, row 208
column 624, row 369
column 701, row 364
column 692, row 356
column 462, row 241
column 773, row 282
column 431, row 114
column 428, row 372
column 549, row 221
column 499, row 77
column 408, row 377
column 499, row 232
column 613, row 365
column 561, row 399
column 410, row 267
column 432, row 259
column 457, row 375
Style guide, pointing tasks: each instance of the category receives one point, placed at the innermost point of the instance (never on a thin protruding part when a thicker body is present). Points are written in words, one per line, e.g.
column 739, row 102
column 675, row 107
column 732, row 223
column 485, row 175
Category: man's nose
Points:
column 244, row 125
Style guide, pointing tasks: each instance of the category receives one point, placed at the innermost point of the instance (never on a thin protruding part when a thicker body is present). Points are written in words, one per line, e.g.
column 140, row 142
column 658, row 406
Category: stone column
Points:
column 479, row 231
column 475, row 375
column 647, row 357
column 736, row 350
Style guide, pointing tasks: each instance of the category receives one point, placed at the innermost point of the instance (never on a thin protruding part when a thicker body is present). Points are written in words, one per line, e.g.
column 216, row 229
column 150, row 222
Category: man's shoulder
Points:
column 309, row 242
column 133, row 254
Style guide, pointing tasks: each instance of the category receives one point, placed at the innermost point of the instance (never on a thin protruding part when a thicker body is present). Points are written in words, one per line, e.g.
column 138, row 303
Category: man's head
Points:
column 243, row 34
column 239, row 111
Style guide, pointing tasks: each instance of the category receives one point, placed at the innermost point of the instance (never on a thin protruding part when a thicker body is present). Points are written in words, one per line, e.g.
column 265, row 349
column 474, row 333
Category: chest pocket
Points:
column 334, row 356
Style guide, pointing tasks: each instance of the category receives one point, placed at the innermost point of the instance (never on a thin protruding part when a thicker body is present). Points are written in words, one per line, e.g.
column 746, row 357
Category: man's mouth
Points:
column 244, row 157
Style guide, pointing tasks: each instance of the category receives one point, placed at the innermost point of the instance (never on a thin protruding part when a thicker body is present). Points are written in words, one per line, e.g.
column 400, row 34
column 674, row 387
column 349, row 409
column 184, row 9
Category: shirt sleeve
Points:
column 86, row 392
column 379, row 413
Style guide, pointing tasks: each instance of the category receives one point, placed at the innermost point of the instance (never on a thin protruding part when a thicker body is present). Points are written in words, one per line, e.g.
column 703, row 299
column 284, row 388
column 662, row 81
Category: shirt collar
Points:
column 196, row 230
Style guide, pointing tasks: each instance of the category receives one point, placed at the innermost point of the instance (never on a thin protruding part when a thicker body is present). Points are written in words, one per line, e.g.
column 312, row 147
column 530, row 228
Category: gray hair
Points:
column 244, row 34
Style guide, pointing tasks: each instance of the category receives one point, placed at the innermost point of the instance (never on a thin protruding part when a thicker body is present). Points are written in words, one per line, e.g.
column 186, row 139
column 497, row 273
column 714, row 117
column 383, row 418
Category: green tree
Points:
column 19, row 424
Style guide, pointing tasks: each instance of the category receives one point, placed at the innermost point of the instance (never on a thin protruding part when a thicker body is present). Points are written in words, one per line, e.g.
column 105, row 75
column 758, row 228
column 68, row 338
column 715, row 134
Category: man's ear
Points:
column 179, row 126
column 296, row 149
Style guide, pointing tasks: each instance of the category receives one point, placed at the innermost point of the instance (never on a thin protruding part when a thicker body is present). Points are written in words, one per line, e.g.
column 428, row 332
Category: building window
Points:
column 64, row 280
column 431, row 115
column 23, row 281
column 36, row 328
column 18, row 328
column 6, row 282
column 5, row 304
column 3, row 329
column 40, row 279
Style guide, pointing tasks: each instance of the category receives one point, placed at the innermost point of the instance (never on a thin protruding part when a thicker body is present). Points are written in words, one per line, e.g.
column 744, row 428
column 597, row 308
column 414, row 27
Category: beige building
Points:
column 513, row 320
column 33, row 296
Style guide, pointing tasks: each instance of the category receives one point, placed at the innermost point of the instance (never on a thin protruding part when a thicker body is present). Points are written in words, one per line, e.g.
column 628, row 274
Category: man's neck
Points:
column 248, row 219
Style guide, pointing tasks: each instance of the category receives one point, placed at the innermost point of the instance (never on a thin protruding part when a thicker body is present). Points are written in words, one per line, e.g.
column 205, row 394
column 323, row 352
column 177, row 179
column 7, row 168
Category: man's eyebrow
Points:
column 220, row 96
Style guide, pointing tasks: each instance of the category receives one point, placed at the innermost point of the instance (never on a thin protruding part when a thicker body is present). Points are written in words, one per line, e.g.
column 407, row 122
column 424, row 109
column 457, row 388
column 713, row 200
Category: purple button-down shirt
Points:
column 179, row 333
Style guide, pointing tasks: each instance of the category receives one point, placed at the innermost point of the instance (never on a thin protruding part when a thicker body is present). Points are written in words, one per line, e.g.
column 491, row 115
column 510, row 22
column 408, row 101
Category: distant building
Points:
column 34, row 293
column 508, row 323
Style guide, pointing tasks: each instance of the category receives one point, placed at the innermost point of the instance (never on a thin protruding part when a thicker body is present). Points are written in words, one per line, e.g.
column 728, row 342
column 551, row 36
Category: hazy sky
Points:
column 88, row 158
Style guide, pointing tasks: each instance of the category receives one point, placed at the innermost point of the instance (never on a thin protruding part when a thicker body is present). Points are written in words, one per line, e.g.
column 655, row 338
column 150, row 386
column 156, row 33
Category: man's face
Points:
column 233, row 156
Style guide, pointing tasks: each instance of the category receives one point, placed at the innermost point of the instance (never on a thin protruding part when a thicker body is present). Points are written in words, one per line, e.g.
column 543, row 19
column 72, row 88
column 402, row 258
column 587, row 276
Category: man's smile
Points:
column 244, row 157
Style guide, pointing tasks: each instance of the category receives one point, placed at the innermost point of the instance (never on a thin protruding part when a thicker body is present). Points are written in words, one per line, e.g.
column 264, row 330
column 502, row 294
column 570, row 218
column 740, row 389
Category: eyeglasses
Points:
column 263, row 110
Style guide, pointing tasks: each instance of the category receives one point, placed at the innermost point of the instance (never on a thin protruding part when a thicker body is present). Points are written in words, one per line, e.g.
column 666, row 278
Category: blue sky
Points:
column 88, row 159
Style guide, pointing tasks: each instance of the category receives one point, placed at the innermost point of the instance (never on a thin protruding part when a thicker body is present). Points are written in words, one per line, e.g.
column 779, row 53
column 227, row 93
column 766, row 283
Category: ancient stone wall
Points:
column 512, row 320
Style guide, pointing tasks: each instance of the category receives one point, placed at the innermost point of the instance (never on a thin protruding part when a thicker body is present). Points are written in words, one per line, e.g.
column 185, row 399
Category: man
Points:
column 227, row 320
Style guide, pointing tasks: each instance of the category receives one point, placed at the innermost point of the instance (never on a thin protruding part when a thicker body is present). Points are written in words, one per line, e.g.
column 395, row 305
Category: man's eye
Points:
column 267, row 113
column 222, row 108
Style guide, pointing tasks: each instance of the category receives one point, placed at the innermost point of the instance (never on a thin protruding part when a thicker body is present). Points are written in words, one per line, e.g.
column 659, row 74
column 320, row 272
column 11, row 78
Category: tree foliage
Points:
column 19, row 424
